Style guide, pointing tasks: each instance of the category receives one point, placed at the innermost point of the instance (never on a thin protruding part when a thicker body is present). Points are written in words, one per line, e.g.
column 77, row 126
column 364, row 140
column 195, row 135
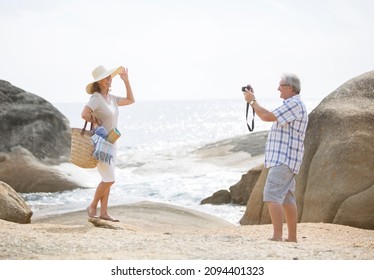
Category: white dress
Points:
column 107, row 112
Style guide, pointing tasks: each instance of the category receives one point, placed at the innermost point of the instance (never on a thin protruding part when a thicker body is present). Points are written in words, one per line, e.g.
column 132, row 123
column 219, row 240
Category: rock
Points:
column 241, row 191
column 337, row 172
column 363, row 204
column 154, row 217
column 253, row 144
column 335, row 183
column 26, row 174
column 34, row 134
column 219, row 197
column 12, row 207
column 29, row 121
column 256, row 211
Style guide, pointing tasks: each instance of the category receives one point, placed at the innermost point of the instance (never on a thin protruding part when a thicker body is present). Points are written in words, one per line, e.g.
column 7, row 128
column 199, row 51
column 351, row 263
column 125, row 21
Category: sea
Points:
column 156, row 159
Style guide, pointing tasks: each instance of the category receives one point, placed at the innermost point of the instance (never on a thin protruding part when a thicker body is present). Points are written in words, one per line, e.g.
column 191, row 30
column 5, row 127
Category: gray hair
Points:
column 293, row 81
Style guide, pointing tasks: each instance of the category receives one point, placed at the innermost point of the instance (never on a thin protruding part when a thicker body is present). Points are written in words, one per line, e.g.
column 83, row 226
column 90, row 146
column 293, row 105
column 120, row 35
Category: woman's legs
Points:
column 104, row 203
column 102, row 195
column 107, row 172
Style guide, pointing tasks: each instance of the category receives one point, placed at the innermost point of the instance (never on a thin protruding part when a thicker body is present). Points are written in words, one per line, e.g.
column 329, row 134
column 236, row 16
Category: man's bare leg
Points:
column 290, row 212
column 276, row 215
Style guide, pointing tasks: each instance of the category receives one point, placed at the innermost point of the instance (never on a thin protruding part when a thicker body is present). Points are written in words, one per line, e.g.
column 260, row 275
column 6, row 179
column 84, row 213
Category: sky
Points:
column 185, row 50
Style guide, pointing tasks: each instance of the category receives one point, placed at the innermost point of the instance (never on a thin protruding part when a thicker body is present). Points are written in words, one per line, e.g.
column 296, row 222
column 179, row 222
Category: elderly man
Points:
column 283, row 153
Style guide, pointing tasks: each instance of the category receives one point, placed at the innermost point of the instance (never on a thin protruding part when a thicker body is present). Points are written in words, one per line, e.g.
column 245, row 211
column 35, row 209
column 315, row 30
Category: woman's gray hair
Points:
column 292, row 80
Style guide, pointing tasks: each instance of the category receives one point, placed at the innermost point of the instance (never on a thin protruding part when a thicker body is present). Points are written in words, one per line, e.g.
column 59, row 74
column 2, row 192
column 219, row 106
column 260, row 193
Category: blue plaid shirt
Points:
column 285, row 143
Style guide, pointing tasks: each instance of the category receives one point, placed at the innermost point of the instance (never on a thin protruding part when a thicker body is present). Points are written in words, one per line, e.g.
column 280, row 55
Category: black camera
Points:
column 247, row 87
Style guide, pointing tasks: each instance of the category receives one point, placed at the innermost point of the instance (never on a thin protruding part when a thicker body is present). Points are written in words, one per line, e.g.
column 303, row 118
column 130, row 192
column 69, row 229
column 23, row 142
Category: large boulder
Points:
column 12, row 207
column 35, row 135
column 26, row 174
column 337, row 175
column 29, row 121
column 336, row 180
column 363, row 204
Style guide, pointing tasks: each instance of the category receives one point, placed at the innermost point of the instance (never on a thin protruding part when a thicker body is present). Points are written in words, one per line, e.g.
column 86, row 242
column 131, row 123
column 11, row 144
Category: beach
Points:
column 154, row 231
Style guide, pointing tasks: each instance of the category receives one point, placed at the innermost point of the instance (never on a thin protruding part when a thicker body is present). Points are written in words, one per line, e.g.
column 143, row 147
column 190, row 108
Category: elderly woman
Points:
column 102, row 108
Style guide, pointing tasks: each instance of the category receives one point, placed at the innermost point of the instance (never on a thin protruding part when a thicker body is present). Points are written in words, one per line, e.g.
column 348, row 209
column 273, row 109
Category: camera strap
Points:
column 253, row 118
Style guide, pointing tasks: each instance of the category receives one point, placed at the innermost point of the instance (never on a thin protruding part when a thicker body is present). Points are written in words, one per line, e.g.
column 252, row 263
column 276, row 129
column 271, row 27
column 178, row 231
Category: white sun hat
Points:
column 100, row 73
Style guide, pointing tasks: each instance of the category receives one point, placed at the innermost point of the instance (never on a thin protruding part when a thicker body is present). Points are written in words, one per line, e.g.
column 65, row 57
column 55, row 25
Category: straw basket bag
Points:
column 82, row 147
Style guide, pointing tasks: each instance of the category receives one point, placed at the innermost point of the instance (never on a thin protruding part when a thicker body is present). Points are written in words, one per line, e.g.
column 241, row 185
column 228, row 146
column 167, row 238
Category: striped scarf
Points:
column 103, row 150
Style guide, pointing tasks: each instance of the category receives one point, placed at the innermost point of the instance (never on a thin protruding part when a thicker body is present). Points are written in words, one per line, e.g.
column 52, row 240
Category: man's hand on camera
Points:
column 248, row 96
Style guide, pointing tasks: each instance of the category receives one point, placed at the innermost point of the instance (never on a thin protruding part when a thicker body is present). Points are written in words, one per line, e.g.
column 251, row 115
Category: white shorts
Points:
column 106, row 170
column 280, row 185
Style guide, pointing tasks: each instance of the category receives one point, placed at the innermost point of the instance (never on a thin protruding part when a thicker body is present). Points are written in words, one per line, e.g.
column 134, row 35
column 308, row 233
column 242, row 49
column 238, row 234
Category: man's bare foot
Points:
column 275, row 239
column 290, row 240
